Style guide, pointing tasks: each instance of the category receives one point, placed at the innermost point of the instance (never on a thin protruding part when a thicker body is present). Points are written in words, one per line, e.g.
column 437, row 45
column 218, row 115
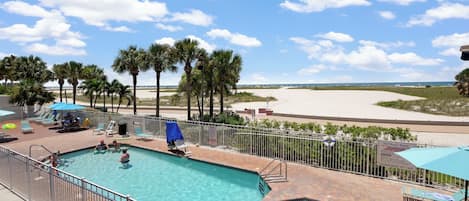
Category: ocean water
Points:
column 156, row 176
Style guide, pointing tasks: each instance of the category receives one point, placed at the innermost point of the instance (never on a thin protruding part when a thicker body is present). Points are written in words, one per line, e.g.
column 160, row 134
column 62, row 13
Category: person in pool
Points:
column 101, row 146
column 116, row 146
column 125, row 157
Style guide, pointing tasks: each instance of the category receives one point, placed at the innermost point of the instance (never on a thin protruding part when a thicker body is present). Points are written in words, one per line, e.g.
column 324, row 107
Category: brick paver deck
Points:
column 303, row 181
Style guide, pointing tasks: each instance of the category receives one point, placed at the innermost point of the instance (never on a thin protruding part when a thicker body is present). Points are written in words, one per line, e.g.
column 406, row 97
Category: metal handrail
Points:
column 270, row 163
column 38, row 145
column 281, row 163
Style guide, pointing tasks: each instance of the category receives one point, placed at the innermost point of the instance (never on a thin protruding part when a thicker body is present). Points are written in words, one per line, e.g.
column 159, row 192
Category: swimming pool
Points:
column 157, row 176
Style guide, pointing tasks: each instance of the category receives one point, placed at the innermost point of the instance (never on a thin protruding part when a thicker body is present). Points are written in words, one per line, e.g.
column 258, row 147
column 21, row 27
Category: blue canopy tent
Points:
column 453, row 161
column 173, row 132
column 5, row 113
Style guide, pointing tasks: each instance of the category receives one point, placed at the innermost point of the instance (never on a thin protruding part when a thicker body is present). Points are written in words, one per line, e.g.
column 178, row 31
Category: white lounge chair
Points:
column 110, row 128
column 99, row 129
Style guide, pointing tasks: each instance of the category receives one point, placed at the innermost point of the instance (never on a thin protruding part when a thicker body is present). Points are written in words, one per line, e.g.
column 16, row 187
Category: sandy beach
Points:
column 338, row 103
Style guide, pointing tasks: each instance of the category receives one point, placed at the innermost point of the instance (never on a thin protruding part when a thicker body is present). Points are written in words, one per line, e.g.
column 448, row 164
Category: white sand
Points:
column 339, row 103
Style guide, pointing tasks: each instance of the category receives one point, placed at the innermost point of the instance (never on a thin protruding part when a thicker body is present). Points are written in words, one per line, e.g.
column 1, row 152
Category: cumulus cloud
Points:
column 104, row 12
column 368, row 55
column 51, row 25
column 308, row 6
column 258, row 78
column 234, row 38
column 338, row 37
column 451, row 42
column 169, row 28
column 57, row 49
column 442, row 12
column 166, row 41
column 202, row 43
column 388, row 45
column 411, row 58
column 387, row 15
column 314, row 69
column 402, row 2
column 194, row 17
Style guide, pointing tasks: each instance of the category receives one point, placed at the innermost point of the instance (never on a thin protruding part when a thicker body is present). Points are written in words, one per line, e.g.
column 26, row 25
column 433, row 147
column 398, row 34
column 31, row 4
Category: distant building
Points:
column 465, row 52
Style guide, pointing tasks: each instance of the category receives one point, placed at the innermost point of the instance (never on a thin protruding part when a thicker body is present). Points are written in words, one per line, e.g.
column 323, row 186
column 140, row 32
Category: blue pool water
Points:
column 157, row 176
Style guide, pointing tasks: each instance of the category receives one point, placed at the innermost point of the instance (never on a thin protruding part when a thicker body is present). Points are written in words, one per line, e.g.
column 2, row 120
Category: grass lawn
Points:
column 438, row 100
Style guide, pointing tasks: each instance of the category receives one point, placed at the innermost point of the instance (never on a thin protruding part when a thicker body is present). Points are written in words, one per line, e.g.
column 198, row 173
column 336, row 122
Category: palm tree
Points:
column 33, row 68
column 462, row 82
column 161, row 60
column 89, row 87
column 187, row 52
column 10, row 65
column 75, row 73
column 113, row 88
column 60, row 71
column 131, row 60
column 197, row 87
column 124, row 93
column 228, row 67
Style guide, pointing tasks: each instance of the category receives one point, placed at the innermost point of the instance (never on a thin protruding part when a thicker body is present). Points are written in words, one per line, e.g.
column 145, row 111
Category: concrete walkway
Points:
column 7, row 195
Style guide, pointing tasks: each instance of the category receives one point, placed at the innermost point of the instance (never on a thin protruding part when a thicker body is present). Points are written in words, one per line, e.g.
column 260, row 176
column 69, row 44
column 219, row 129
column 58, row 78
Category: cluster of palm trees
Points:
column 94, row 83
column 204, row 74
column 31, row 73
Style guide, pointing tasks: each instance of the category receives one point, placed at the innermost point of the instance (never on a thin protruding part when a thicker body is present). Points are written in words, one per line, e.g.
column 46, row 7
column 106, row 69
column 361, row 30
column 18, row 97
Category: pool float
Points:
column 9, row 126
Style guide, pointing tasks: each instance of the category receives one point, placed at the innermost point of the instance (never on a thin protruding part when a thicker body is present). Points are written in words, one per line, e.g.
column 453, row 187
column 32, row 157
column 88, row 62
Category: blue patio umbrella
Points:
column 5, row 113
column 56, row 105
column 67, row 106
column 453, row 161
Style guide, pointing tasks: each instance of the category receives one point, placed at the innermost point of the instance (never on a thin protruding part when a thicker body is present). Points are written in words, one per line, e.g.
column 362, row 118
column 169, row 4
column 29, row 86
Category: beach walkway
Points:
column 303, row 181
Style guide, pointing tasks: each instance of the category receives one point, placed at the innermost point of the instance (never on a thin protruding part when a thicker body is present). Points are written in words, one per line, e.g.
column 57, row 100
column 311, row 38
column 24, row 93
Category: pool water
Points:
column 157, row 176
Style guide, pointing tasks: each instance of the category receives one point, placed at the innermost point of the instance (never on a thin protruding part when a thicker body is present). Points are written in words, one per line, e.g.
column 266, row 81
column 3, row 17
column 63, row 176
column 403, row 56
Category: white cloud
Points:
column 411, row 58
column 314, row 69
column 402, row 2
column 117, row 29
column 101, row 13
column 51, row 25
column 338, row 37
column 202, row 43
column 368, row 55
column 388, row 45
column 387, row 15
column 442, row 12
column 169, row 28
column 25, row 9
column 194, row 17
column 57, row 50
column 452, row 43
column 308, row 6
column 166, row 40
column 234, row 38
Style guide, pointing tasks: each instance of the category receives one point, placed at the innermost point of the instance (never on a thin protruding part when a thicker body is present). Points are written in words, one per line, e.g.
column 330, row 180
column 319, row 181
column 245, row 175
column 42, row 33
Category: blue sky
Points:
column 294, row 41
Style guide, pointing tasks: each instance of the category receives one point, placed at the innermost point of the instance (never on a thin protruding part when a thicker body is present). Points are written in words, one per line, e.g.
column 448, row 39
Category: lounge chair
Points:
column 99, row 129
column 25, row 127
column 51, row 120
column 412, row 194
column 110, row 128
column 44, row 116
column 142, row 135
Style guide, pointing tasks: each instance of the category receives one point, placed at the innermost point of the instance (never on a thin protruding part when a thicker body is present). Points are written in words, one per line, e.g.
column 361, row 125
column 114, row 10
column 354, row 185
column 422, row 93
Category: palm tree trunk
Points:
column 158, row 74
column 74, row 93
column 188, row 94
column 95, row 100
column 112, row 103
column 60, row 91
column 91, row 101
column 104, row 101
column 134, row 77
column 119, row 105
column 199, row 108
column 211, row 98
column 221, row 95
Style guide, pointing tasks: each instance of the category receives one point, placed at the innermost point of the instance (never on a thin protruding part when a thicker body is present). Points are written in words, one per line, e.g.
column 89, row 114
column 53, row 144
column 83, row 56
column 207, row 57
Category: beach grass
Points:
column 180, row 100
column 438, row 100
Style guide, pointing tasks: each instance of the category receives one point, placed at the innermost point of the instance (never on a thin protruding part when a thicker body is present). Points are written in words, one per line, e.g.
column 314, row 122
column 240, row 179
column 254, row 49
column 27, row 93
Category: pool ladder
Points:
column 275, row 171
